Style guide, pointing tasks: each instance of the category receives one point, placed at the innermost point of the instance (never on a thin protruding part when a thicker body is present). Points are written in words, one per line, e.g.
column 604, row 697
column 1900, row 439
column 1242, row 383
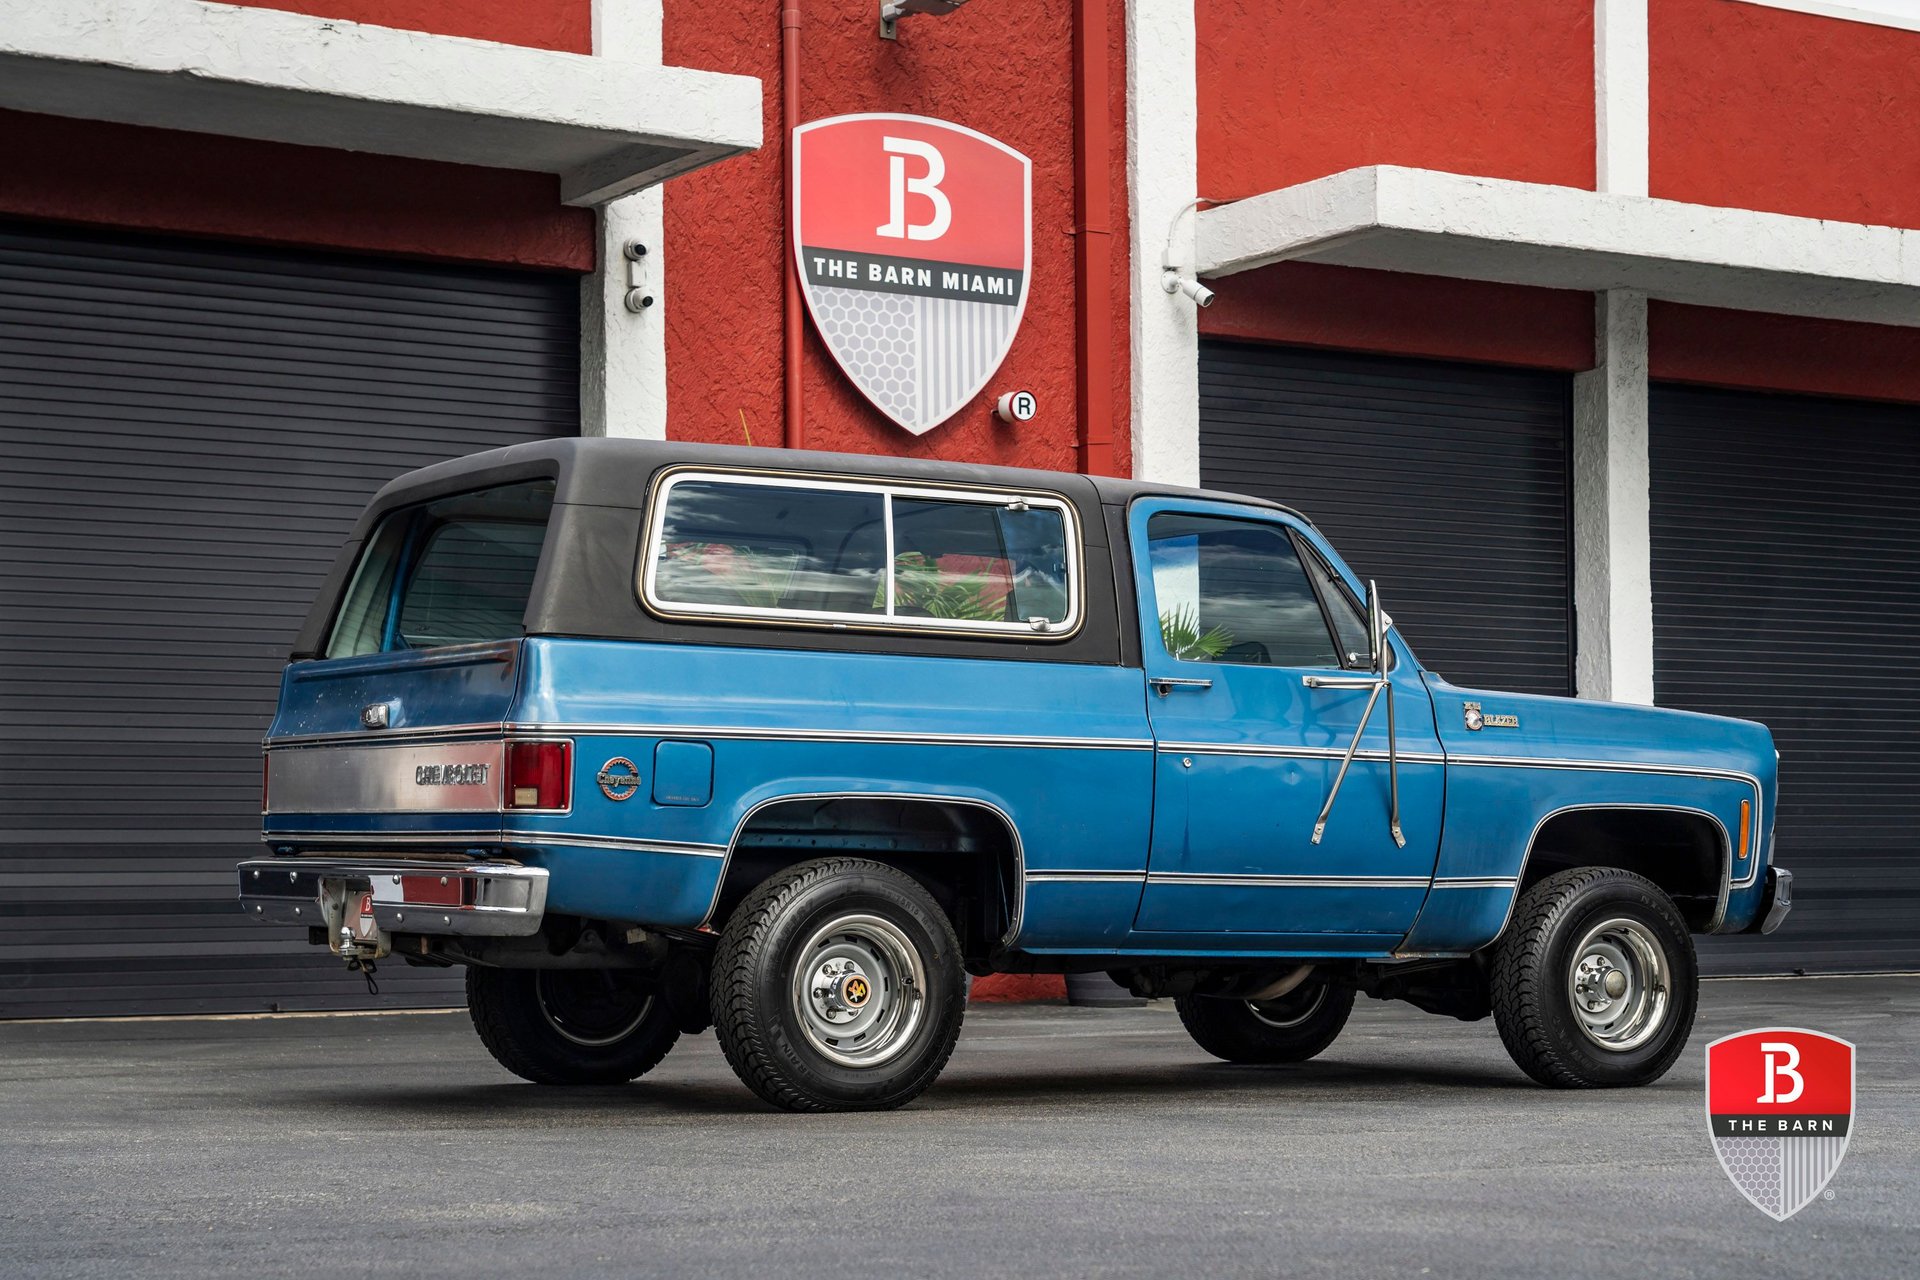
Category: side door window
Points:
column 1235, row 591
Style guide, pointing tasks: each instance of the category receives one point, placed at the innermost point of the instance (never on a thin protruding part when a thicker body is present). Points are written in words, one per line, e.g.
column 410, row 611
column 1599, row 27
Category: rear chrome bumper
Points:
column 1775, row 901
column 473, row 899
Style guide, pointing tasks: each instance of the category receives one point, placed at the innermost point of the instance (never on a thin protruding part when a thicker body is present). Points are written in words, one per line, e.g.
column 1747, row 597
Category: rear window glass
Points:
column 859, row 554
column 455, row 571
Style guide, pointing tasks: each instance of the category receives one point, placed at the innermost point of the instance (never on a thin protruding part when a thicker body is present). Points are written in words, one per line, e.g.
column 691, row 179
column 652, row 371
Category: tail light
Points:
column 539, row 775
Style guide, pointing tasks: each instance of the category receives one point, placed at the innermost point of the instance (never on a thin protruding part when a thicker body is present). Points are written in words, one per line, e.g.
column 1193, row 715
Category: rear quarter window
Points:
column 831, row 553
column 458, row 570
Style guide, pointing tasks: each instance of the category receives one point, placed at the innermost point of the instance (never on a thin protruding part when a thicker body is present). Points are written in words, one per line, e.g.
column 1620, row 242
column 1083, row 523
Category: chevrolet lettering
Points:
column 450, row 775
column 786, row 745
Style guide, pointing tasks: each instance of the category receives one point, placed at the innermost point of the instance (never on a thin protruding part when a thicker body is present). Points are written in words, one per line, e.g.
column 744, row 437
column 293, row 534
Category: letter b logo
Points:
column 1778, row 1071
column 900, row 186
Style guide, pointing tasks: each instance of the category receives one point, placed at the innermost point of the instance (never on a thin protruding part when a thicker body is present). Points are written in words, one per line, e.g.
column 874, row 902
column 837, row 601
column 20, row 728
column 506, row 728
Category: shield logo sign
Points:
column 915, row 240
column 1780, row 1104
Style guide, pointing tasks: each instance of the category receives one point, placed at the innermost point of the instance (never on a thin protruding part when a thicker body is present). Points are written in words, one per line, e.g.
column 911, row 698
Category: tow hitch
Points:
column 361, row 903
column 352, row 927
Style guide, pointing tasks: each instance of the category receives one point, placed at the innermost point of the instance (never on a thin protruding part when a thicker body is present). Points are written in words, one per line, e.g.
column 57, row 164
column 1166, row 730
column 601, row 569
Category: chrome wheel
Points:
column 859, row 990
column 1291, row 1009
column 592, row 1008
column 1618, row 983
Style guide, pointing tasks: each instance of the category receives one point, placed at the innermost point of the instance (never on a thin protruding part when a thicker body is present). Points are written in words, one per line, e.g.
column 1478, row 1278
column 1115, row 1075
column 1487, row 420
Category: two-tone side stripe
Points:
column 730, row 733
column 1289, row 882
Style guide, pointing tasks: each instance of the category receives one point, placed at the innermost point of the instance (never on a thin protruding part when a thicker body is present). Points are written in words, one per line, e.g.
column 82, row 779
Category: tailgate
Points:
column 395, row 733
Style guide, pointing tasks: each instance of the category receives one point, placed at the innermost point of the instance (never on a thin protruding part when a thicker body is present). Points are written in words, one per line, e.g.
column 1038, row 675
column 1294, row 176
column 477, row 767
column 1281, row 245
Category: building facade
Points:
column 1591, row 330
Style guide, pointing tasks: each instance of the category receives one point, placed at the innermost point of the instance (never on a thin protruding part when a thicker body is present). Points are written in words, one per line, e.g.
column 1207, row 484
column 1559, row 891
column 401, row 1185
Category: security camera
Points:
column 1174, row 282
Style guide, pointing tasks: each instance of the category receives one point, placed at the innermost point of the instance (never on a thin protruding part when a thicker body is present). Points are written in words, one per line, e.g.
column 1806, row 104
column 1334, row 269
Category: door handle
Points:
column 1341, row 682
column 1164, row 685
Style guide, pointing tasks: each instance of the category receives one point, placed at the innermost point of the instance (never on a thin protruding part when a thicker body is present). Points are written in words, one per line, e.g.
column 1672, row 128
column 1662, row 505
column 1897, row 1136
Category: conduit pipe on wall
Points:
column 795, row 434
column 1093, row 240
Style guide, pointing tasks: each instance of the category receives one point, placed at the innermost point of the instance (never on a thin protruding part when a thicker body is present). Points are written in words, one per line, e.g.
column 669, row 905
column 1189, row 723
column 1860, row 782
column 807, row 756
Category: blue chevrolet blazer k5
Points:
column 656, row 737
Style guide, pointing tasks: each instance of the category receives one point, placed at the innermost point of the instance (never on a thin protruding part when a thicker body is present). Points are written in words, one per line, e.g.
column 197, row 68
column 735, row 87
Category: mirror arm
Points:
column 1377, row 638
column 1320, row 823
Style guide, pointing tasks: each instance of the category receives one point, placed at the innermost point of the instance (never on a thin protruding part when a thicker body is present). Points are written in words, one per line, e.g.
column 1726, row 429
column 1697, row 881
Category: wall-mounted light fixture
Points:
column 891, row 11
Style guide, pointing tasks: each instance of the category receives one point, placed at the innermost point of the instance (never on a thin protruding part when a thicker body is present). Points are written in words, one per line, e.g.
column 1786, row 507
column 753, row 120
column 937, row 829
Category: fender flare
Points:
column 997, row 810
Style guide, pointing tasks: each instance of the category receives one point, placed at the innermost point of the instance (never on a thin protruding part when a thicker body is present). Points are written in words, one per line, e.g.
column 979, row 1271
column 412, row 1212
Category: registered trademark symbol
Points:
column 1827, row 1195
column 1017, row 406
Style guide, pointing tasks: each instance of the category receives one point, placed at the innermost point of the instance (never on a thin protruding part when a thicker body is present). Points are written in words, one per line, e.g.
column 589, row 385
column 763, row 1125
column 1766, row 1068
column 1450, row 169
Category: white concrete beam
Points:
column 1612, row 565
column 1443, row 224
column 1162, row 168
column 623, row 353
column 605, row 126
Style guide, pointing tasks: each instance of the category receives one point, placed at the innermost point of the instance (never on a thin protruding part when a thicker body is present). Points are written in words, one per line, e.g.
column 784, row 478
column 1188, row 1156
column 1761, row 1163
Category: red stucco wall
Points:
column 1294, row 91
column 119, row 175
column 566, row 25
column 1309, row 304
column 1762, row 108
column 1005, row 69
column 1783, row 353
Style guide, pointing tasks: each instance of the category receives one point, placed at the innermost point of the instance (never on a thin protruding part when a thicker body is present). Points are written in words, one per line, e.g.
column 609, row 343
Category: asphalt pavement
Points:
column 1059, row 1142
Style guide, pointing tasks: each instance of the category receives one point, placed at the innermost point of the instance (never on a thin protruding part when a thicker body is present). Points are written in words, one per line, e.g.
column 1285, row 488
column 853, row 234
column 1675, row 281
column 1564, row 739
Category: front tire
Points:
column 571, row 1026
column 1293, row 1028
column 1595, row 983
column 838, row 987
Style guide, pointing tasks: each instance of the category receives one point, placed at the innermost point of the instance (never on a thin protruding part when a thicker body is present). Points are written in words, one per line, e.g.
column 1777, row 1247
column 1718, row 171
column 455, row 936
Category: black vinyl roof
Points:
column 614, row 472
column 585, row 585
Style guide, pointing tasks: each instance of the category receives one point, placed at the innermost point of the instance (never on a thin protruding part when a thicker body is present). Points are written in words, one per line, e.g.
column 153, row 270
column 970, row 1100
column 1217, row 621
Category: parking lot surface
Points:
column 1060, row 1142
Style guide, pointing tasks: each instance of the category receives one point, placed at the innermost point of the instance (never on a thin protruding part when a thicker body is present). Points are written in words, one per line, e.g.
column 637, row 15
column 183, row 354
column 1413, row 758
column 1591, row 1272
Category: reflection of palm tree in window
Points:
column 758, row 579
column 962, row 588
column 1180, row 632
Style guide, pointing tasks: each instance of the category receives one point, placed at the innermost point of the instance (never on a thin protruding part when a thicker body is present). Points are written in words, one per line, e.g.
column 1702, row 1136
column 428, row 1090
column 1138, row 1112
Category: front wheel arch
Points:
column 1687, row 852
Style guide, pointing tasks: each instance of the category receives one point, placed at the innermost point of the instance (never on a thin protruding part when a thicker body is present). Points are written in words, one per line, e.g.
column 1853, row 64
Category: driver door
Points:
column 1240, row 610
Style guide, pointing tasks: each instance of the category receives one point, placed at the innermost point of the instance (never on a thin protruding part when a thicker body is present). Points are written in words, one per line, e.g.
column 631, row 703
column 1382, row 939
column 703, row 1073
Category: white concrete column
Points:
column 1612, row 567
column 629, row 30
column 1162, row 170
column 623, row 354
column 1620, row 96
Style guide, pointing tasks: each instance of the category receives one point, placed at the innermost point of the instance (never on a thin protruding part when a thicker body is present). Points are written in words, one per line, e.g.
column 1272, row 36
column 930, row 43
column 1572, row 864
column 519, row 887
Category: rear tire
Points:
column 571, row 1026
column 1595, row 983
column 838, row 987
column 1292, row 1028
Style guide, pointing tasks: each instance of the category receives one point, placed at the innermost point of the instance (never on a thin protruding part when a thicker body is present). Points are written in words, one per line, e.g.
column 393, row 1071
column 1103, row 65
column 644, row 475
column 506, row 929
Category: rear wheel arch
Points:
column 964, row 850
column 1686, row 852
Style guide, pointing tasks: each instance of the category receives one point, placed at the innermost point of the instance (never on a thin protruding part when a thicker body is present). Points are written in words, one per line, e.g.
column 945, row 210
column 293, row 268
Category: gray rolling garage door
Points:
column 1786, row 589
column 1447, row 483
column 186, row 433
